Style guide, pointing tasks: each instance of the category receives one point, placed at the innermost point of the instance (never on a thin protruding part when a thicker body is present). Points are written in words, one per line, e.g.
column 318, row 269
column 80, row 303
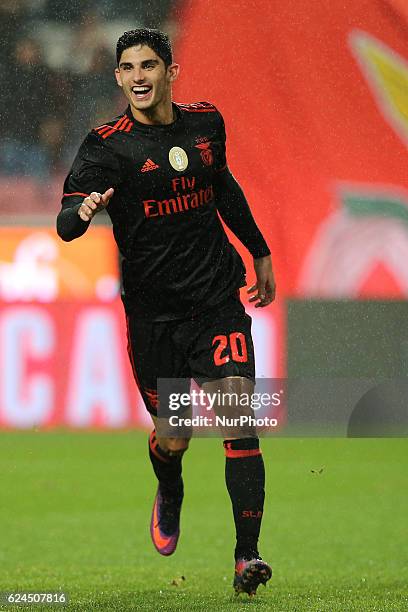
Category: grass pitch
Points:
column 75, row 511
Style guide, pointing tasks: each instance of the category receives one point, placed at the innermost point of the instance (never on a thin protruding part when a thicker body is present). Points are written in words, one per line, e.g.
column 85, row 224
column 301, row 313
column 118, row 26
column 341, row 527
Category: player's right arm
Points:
column 88, row 188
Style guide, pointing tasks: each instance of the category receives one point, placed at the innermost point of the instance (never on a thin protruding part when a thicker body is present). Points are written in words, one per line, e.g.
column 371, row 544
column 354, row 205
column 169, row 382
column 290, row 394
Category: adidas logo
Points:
column 149, row 165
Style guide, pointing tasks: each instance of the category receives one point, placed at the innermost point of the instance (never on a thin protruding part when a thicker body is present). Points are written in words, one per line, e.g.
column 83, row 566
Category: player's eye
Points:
column 149, row 66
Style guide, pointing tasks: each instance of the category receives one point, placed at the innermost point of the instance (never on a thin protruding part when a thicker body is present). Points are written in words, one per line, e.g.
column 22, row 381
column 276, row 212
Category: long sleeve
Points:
column 232, row 204
column 95, row 168
column 236, row 214
column 69, row 223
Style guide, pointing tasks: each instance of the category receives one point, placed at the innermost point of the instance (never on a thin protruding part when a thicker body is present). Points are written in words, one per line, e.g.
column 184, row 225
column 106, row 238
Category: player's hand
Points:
column 94, row 203
column 265, row 286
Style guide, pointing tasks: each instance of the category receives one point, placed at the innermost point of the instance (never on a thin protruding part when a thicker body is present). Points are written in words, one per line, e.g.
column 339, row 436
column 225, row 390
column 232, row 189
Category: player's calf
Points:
column 245, row 480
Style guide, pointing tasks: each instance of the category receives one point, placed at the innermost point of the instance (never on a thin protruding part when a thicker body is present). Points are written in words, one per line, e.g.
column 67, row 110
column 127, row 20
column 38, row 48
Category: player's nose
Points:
column 138, row 76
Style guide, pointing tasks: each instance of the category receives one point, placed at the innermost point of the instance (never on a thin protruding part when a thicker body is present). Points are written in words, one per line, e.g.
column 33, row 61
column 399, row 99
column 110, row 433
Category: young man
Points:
column 160, row 171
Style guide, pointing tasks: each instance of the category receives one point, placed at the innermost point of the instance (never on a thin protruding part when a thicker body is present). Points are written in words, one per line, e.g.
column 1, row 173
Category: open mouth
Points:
column 142, row 92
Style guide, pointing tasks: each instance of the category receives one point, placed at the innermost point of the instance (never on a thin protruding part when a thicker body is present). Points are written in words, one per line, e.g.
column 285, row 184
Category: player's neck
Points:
column 161, row 115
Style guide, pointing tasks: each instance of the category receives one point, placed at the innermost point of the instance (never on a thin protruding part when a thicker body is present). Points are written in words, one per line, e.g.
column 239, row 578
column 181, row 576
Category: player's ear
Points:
column 118, row 77
column 173, row 71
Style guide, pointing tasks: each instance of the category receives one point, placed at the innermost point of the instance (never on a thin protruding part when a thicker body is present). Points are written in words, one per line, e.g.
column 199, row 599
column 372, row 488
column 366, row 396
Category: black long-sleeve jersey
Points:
column 169, row 182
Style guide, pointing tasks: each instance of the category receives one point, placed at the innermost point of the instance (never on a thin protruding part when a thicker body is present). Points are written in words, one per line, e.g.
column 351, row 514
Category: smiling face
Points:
column 146, row 83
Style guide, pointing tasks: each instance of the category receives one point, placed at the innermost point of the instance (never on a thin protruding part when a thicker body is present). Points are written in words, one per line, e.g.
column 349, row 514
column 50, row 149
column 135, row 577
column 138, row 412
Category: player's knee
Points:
column 174, row 446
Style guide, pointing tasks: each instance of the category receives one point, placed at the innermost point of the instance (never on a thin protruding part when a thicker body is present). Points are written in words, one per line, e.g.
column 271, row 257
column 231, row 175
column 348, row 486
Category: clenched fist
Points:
column 94, row 203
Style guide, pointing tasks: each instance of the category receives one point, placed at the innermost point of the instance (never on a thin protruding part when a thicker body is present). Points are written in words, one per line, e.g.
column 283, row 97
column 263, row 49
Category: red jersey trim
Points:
column 76, row 193
column 123, row 124
column 103, row 129
column 198, row 107
column 119, row 125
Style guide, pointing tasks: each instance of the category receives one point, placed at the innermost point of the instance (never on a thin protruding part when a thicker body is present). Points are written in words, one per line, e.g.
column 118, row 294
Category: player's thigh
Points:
column 154, row 357
column 232, row 404
column 222, row 361
column 221, row 343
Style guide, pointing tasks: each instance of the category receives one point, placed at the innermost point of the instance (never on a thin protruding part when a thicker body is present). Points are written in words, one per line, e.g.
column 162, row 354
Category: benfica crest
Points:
column 206, row 153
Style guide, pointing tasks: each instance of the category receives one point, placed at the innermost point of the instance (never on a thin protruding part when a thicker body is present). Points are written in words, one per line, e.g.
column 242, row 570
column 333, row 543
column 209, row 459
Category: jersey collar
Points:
column 139, row 125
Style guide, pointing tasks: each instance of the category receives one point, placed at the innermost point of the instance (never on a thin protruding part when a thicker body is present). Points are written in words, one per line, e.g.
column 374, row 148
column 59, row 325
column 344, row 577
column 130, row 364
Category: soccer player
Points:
column 160, row 171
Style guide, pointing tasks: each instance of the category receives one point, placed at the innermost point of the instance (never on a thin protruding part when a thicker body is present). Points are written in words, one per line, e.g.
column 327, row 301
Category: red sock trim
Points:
column 155, row 448
column 237, row 454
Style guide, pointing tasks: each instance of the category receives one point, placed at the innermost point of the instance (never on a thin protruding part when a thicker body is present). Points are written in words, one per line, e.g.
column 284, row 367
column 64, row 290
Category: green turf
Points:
column 75, row 509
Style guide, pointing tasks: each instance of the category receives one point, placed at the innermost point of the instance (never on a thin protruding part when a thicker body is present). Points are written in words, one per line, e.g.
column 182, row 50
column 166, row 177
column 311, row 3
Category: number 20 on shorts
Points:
column 230, row 347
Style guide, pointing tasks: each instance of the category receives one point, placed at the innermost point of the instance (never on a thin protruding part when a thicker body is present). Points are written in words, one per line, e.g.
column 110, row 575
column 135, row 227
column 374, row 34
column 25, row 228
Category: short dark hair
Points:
column 155, row 39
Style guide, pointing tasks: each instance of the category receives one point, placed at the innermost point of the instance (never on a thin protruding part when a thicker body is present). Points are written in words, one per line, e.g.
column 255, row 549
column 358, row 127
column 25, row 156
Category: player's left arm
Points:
column 236, row 214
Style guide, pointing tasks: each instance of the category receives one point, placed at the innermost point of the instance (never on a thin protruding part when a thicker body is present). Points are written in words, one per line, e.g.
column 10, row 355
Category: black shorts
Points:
column 214, row 344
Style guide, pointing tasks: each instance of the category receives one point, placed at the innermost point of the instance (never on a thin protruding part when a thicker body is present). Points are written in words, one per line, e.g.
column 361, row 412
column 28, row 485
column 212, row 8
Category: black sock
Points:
column 166, row 467
column 245, row 479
